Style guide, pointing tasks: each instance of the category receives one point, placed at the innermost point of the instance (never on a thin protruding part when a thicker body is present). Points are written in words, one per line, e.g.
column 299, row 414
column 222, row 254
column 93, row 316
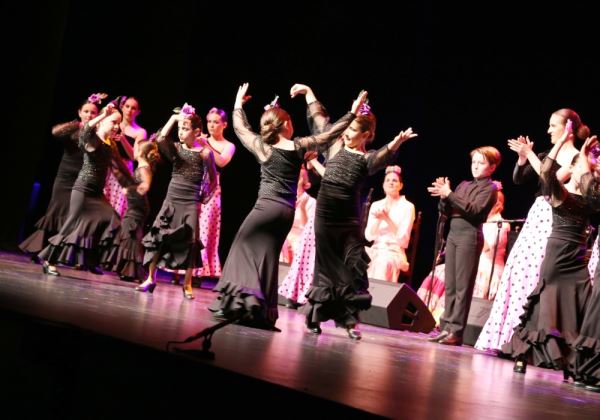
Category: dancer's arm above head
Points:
column 384, row 156
column 165, row 138
column 88, row 140
column 243, row 130
column 335, row 130
column 316, row 115
column 300, row 89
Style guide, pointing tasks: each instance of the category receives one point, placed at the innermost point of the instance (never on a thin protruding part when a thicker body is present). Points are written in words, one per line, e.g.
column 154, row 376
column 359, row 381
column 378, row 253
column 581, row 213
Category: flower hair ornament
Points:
column 153, row 137
column 395, row 169
column 365, row 109
column 595, row 151
column 274, row 103
column 118, row 102
column 96, row 98
column 187, row 110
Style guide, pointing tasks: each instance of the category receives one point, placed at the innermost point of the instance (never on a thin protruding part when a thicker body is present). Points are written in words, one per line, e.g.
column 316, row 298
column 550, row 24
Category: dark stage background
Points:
column 461, row 76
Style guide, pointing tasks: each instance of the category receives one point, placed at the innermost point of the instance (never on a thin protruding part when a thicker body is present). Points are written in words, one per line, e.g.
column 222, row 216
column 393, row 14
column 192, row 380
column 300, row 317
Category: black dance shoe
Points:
column 220, row 314
column 314, row 327
column 593, row 387
column 35, row 259
column 49, row 269
column 95, row 270
column 289, row 303
column 147, row 286
column 520, row 365
column 354, row 333
column 577, row 381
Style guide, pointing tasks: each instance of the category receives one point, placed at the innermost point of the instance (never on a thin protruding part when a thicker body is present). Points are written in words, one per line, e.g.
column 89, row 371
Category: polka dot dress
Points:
column 210, row 232
column 519, row 278
column 300, row 276
column 594, row 258
column 113, row 191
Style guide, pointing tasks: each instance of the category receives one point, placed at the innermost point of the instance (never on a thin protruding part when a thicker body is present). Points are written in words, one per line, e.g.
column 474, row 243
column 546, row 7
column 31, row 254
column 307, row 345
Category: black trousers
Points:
column 463, row 248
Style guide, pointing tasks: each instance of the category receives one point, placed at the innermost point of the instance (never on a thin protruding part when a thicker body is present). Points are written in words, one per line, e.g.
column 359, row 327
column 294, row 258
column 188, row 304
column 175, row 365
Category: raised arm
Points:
column 250, row 140
column 88, row 140
column 316, row 115
column 65, row 129
column 384, row 155
column 330, row 135
column 528, row 163
column 164, row 139
column 552, row 186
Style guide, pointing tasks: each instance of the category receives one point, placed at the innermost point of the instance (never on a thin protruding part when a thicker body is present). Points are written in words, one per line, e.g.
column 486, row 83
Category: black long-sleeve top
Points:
column 280, row 168
column 472, row 201
column 525, row 173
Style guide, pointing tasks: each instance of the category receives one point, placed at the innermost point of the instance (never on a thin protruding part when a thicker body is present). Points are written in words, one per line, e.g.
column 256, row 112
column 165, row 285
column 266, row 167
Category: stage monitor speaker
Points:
column 478, row 315
column 397, row 306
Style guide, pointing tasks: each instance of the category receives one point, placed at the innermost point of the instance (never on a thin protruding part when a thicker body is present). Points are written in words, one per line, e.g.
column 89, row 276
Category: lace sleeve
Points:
column 209, row 176
column 250, row 140
column 327, row 138
column 551, row 186
column 317, row 117
column 525, row 173
column 166, row 146
column 522, row 173
column 65, row 129
column 379, row 159
column 590, row 189
column 88, row 140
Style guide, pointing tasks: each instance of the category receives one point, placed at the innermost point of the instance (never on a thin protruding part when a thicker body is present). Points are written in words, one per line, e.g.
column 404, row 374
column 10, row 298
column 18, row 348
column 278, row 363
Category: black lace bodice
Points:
column 92, row 176
column 279, row 175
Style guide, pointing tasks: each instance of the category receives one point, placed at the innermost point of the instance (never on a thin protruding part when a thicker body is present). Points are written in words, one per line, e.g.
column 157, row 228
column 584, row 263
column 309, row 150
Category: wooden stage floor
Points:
column 83, row 345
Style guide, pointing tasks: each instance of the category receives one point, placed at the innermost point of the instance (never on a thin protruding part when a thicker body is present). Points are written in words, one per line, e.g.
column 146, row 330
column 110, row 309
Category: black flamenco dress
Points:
column 585, row 359
column 58, row 207
column 92, row 223
column 174, row 235
column 249, row 281
column 340, row 285
column 554, row 311
column 125, row 257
